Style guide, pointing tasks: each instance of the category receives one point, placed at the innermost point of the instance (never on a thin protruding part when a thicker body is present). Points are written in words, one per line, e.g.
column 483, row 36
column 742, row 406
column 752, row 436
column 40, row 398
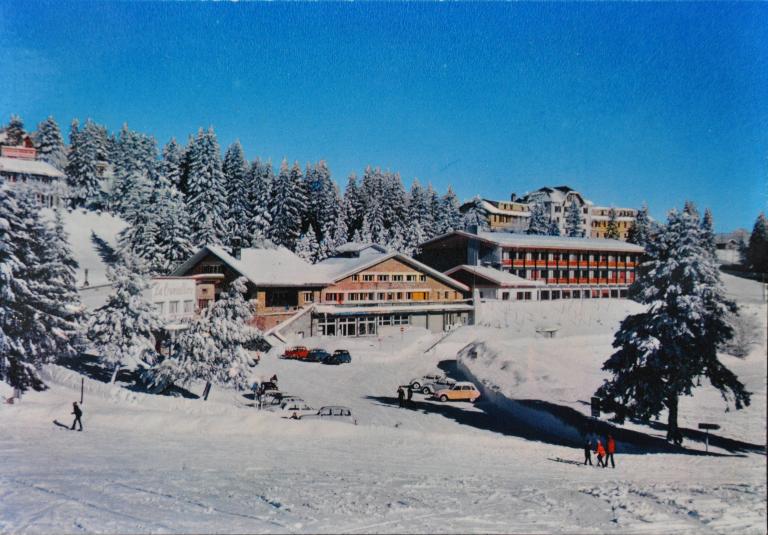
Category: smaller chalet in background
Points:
column 20, row 170
column 360, row 291
column 496, row 284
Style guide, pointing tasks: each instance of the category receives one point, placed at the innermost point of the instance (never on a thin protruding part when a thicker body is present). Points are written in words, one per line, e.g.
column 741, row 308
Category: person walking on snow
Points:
column 611, row 450
column 588, row 452
column 600, row 454
column 78, row 413
column 400, row 397
column 274, row 379
column 410, row 395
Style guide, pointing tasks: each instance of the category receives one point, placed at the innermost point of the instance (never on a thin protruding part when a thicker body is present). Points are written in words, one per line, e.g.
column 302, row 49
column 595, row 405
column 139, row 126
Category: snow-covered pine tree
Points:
column 640, row 231
column 708, row 232
column 206, row 191
column 553, row 229
column 573, row 227
column 419, row 209
column 435, row 213
column 612, row 230
column 475, row 216
column 135, row 162
column 121, row 331
column 354, row 203
column 82, row 170
column 662, row 353
column 14, row 131
column 170, row 167
column 340, row 230
column 757, row 249
column 450, row 212
column 236, row 179
column 172, row 246
column 326, row 210
column 394, row 199
column 260, row 180
column 307, row 246
column 50, row 144
column 216, row 346
column 539, row 222
column 287, row 206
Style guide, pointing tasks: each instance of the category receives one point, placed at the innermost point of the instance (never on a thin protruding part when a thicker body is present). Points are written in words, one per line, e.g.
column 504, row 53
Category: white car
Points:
column 438, row 384
column 295, row 409
column 334, row 413
column 416, row 384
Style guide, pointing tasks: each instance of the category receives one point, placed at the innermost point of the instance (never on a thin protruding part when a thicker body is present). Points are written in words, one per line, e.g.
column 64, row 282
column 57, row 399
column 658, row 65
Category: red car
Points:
column 298, row 352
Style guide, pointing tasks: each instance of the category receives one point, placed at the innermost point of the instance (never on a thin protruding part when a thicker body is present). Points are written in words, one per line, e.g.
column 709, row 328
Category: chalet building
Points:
column 20, row 170
column 363, row 290
column 514, row 215
column 279, row 283
column 569, row 268
column 491, row 283
column 372, row 290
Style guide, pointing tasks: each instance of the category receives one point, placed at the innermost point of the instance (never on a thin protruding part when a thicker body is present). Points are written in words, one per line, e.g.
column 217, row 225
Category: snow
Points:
column 79, row 224
column 162, row 464
column 512, row 239
column 502, row 278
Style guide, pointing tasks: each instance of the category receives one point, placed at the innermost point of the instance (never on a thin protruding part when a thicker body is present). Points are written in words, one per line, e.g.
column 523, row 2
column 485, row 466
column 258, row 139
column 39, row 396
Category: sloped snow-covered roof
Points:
column 512, row 239
column 262, row 267
column 28, row 167
column 337, row 267
column 502, row 278
column 493, row 209
column 355, row 247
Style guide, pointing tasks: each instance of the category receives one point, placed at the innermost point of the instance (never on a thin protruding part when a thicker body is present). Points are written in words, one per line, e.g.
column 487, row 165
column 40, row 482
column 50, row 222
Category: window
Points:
column 397, row 278
column 368, row 278
column 188, row 305
column 173, row 307
column 308, row 297
column 213, row 268
column 422, row 278
column 203, row 303
column 159, row 307
column 355, row 278
column 410, row 278
column 384, row 278
column 505, row 296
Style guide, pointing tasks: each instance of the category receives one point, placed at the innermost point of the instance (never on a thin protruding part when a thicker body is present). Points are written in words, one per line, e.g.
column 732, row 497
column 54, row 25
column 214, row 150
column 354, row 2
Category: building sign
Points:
column 25, row 153
column 174, row 297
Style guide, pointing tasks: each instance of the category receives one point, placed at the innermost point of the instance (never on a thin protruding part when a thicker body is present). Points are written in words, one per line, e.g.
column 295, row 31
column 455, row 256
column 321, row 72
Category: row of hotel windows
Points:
column 359, row 326
column 389, row 277
column 549, row 295
column 619, row 224
column 571, row 257
column 424, row 295
column 173, row 307
column 571, row 274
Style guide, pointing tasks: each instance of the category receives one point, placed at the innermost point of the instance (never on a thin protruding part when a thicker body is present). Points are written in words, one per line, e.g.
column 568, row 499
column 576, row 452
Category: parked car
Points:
column 416, row 384
column 333, row 413
column 317, row 355
column 269, row 385
column 438, row 384
column 278, row 398
column 340, row 356
column 461, row 391
column 297, row 352
column 298, row 408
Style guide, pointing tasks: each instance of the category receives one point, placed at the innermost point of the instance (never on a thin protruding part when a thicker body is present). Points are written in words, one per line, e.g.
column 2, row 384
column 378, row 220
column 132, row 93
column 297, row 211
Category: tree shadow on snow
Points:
column 495, row 419
column 90, row 366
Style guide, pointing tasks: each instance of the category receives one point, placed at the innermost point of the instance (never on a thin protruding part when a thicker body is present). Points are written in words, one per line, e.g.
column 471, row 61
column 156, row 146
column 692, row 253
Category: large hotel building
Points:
column 551, row 267
column 513, row 215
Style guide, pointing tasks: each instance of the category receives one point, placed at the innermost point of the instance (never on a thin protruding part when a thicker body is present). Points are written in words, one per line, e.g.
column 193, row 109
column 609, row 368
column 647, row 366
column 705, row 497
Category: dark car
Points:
column 340, row 356
column 317, row 355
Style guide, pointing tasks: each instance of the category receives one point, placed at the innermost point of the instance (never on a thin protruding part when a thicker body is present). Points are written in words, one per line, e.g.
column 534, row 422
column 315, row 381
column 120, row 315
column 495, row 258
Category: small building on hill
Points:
column 21, row 171
column 496, row 284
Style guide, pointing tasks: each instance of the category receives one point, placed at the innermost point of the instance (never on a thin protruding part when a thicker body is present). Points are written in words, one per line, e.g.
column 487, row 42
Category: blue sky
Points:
column 629, row 103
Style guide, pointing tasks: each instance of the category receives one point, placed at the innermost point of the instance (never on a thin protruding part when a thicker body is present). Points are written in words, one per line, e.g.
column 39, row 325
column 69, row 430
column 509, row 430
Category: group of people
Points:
column 603, row 452
column 403, row 399
column 259, row 390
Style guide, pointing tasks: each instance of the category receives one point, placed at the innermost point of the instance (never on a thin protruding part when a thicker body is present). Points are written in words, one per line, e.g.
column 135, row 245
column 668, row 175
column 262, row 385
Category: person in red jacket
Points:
column 600, row 451
column 611, row 451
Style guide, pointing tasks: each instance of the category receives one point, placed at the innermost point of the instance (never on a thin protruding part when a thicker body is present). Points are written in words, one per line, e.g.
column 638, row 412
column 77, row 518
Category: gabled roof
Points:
column 337, row 268
column 262, row 267
column 513, row 239
column 501, row 278
column 355, row 247
column 29, row 167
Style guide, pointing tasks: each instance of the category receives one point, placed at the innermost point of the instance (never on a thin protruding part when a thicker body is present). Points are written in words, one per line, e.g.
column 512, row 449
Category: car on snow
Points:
column 297, row 352
column 332, row 413
column 416, row 384
column 294, row 409
column 438, row 384
column 461, row 391
column 317, row 355
column 340, row 356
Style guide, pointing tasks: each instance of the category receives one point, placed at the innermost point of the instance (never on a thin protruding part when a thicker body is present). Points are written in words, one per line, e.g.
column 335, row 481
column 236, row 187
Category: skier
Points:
column 260, row 396
column 410, row 395
column 588, row 451
column 400, row 397
column 600, row 454
column 78, row 413
column 611, row 451
column 255, row 387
